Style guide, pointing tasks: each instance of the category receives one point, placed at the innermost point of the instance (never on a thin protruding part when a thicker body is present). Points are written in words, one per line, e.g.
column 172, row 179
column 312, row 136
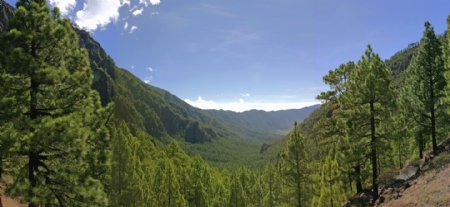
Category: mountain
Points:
column 221, row 137
column 278, row 122
column 6, row 12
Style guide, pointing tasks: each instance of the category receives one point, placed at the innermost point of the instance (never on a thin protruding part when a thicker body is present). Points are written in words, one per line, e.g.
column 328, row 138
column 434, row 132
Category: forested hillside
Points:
column 165, row 116
column 127, row 143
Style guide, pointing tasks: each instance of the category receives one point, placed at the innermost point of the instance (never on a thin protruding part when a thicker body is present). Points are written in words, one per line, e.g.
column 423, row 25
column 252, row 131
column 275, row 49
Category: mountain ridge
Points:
column 164, row 116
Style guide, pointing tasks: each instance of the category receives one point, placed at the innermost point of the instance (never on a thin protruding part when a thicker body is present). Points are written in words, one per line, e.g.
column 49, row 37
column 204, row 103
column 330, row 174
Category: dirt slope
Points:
column 432, row 188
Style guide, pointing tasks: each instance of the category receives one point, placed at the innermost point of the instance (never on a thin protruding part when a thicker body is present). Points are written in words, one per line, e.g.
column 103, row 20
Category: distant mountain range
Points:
column 278, row 122
column 164, row 116
column 219, row 136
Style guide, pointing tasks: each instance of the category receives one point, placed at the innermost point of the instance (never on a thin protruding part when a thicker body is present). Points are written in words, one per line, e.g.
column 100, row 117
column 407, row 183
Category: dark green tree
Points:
column 368, row 102
column 427, row 75
column 446, row 55
column 295, row 167
column 272, row 186
column 331, row 187
column 51, row 115
column 237, row 191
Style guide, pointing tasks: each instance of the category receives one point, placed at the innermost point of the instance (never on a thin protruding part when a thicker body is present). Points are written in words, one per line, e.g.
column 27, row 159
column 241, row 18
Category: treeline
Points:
column 60, row 147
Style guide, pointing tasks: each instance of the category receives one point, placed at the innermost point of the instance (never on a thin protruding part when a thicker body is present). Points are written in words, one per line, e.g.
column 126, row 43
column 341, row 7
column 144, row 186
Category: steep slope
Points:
column 6, row 12
column 162, row 114
column 430, row 189
column 165, row 117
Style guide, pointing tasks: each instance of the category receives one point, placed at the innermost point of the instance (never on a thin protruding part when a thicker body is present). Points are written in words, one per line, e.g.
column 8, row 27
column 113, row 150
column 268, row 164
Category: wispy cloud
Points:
column 240, row 105
column 215, row 10
column 149, row 2
column 245, row 94
column 236, row 36
column 133, row 29
column 138, row 12
column 148, row 79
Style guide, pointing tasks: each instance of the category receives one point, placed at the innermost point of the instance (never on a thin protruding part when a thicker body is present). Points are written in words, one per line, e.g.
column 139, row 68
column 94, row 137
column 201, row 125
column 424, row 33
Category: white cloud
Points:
column 138, row 12
column 149, row 2
column 126, row 2
column 154, row 13
column 150, row 69
column 98, row 13
column 245, row 94
column 125, row 27
column 241, row 105
column 148, row 79
column 65, row 6
column 133, row 29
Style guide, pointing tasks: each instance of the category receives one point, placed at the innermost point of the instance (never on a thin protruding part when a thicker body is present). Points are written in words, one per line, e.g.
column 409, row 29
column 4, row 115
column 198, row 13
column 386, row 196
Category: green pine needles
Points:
column 52, row 121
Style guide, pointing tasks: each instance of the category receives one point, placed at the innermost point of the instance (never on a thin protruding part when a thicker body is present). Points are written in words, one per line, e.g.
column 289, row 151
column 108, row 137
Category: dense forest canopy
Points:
column 75, row 130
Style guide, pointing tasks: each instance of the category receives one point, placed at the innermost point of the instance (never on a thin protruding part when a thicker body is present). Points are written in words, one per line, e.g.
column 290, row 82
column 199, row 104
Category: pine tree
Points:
column 53, row 117
column 446, row 57
column 201, row 183
column 411, row 123
column 166, row 187
column 295, row 167
column 337, row 80
column 427, row 75
column 237, row 191
column 367, row 103
column 272, row 186
column 331, row 186
column 333, row 132
column 128, row 184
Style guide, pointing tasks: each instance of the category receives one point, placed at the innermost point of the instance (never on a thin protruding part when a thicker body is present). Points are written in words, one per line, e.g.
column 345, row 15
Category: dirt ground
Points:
column 9, row 202
column 429, row 190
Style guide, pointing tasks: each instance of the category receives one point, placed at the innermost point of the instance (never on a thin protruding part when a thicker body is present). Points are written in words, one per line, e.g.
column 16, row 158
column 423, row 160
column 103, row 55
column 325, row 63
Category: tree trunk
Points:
column 373, row 153
column 32, row 158
column 421, row 145
column 32, row 165
column 400, row 161
column 359, row 188
column 1, row 165
column 432, row 114
column 433, row 129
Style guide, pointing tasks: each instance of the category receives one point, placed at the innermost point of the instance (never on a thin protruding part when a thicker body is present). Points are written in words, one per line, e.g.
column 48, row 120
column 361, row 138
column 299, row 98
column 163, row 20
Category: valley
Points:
column 78, row 130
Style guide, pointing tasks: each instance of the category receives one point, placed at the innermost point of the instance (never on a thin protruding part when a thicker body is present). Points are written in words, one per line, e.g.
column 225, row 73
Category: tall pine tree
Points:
column 367, row 103
column 427, row 75
column 52, row 116
column 295, row 167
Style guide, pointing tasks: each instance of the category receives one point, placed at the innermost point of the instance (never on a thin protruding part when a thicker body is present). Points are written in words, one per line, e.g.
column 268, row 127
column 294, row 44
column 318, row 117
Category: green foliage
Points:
column 446, row 58
column 53, row 126
column 295, row 168
column 426, row 84
column 332, row 191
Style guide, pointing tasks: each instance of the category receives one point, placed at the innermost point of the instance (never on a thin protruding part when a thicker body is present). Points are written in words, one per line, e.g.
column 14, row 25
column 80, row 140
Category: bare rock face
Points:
column 6, row 12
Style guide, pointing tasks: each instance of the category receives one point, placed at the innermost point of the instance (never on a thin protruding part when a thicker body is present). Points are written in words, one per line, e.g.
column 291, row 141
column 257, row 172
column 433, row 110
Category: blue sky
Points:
column 245, row 54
